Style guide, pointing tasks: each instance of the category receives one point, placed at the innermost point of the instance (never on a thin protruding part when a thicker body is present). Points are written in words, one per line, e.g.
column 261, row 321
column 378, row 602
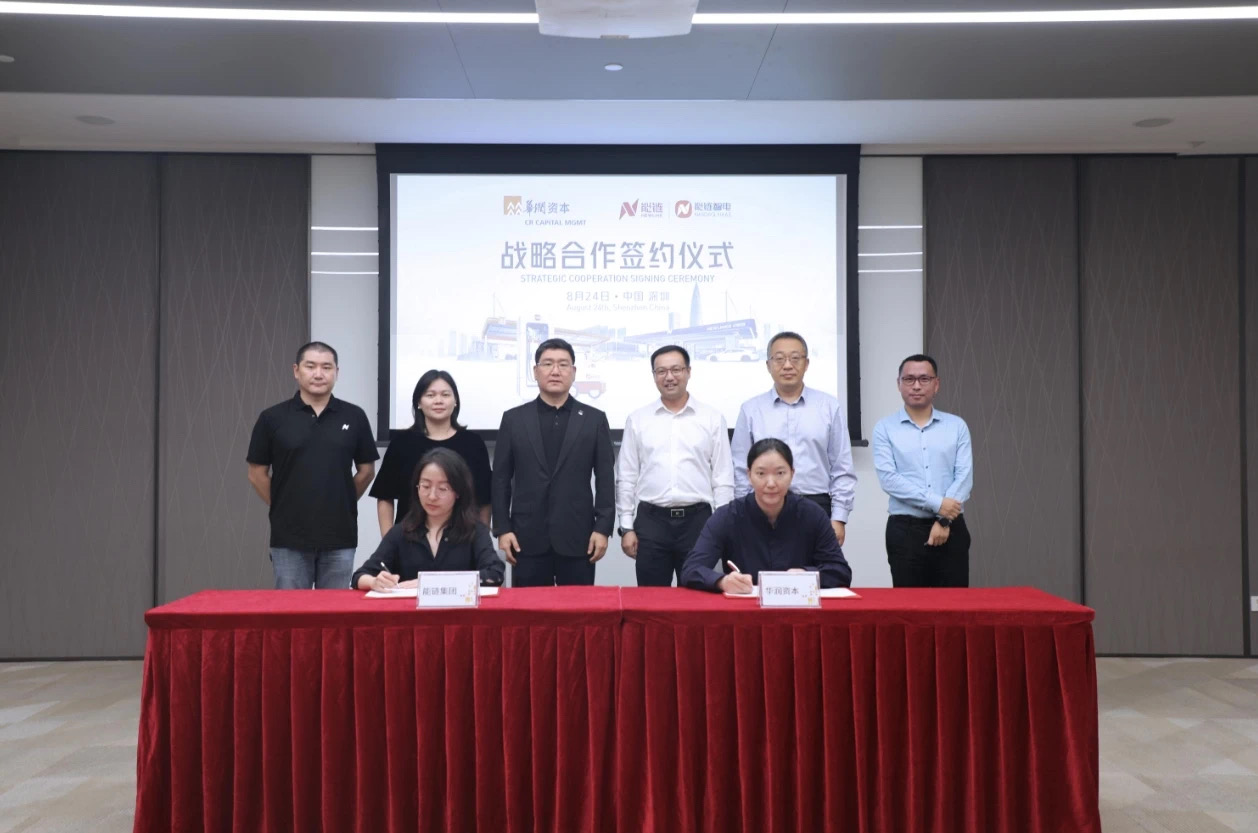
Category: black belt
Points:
column 671, row 511
column 913, row 519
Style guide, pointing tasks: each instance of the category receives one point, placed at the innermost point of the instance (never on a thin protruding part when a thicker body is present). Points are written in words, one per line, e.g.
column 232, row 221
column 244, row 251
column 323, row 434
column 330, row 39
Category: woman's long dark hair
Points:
column 462, row 524
column 421, row 386
column 767, row 445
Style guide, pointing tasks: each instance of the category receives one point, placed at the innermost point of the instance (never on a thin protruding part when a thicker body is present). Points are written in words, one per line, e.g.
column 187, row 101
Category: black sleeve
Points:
column 697, row 571
column 604, row 479
column 366, row 443
column 260, row 442
column 389, row 482
column 504, row 467
column 386, row 555
column 476, row 454
column 488, row 563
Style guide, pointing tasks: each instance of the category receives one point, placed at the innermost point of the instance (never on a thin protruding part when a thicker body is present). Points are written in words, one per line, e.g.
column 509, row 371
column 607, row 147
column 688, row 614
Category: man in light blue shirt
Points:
column 925, row 465
column 807, row 420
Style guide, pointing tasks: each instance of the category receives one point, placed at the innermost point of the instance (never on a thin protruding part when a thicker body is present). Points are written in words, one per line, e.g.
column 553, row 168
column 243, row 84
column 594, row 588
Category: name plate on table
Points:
column 783, row 589
column 452, row 589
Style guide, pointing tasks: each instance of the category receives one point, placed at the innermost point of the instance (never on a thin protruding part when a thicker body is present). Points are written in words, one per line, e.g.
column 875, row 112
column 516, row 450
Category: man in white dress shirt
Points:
column 811, row 422
column 673, row 470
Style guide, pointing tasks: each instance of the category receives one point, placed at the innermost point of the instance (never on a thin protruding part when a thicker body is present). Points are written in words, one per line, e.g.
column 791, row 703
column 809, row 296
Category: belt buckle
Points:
column 676, row 513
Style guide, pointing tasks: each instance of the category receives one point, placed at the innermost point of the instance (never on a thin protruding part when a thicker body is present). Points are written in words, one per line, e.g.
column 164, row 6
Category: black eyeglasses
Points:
column 908, row 381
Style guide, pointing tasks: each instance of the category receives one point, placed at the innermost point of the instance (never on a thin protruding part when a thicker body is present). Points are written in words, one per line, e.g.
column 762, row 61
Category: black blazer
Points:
column 553, row 511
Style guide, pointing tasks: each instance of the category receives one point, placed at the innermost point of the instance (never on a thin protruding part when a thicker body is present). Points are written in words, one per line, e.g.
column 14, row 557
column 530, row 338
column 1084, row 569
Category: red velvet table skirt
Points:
column 602, row 709
column 324, row 710
column 906, row 710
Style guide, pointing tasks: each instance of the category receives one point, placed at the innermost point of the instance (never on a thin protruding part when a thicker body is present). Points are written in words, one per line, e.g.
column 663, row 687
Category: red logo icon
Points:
column 628, row 209
column 683, row 208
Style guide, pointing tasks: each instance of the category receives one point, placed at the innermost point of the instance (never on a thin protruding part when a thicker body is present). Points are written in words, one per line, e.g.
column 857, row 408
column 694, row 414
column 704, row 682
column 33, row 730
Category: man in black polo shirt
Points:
column 299, row 463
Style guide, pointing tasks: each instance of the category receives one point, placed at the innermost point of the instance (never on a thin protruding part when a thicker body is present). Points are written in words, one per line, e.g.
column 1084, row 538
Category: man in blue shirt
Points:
column 810, row 422
column 925, row 465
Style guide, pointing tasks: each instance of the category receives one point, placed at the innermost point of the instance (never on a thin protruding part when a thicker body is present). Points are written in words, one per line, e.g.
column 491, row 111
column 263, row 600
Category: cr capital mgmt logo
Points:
column 683, row 208
column 512, row 206
column 628, row 209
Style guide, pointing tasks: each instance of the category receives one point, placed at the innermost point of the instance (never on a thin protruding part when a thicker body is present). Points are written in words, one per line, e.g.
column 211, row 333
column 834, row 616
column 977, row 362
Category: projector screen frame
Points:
column 616, row 160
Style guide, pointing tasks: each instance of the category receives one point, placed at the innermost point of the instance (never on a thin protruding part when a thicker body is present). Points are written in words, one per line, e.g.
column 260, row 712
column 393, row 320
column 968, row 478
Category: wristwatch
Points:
column 944, row 522
column 620, row 530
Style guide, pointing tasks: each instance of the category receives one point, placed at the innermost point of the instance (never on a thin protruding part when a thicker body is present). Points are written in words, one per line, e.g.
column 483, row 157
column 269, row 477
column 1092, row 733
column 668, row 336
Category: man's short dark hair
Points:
column 319, row 347
column 785, row 334
column 670, row 348
column 919, row 357
column 553, row 344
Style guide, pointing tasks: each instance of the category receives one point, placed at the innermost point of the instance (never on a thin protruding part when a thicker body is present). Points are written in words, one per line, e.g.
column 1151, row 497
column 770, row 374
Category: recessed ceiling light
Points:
column 98, row 121
column 1152, row 122
column 613, row 67
column 7, row 59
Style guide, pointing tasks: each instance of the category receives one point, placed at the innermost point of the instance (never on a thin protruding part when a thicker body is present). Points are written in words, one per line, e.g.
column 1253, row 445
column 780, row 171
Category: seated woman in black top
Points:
column 435, row 410
column 771, row 528
column 440, row 532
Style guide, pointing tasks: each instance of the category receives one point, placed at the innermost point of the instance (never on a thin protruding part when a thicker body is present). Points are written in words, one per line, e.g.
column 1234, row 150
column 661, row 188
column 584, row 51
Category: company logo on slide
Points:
column 683, row 208
column 641, row 208
column 517, row 206
column 705, row 208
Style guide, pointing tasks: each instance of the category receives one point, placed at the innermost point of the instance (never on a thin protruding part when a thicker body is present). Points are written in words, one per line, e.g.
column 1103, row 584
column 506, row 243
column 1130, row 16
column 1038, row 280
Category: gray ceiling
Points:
column 994, row 61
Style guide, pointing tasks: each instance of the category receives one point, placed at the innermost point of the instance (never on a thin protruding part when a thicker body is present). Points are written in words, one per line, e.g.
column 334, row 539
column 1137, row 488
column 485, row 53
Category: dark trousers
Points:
column 665, row 537
column 822, row 500
column 550, row 568
column 914, row 564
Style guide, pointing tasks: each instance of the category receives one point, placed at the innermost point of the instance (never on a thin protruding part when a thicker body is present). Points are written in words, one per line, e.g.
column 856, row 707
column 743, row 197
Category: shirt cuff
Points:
column 626, row 521
column 838, row 513
column 933, row 502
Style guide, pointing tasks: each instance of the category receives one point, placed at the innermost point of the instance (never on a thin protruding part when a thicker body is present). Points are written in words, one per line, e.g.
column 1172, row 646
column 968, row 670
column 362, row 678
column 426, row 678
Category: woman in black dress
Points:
column 439, row 532
column 435, row 408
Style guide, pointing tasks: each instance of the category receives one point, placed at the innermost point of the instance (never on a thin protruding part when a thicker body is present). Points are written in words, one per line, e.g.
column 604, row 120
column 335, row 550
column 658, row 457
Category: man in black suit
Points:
column 549, row 527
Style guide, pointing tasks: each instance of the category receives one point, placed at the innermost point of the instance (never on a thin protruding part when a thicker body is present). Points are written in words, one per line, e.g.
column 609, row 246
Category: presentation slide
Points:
column 486, row 267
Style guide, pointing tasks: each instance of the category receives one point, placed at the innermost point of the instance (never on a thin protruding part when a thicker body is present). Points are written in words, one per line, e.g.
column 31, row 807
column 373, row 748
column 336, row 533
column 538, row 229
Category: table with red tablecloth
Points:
column 619, row 709
column 904, row 710
column 325, row 710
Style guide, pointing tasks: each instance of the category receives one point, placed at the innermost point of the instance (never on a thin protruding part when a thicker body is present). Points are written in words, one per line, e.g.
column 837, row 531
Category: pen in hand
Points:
column 387, row 575
column 741, row 578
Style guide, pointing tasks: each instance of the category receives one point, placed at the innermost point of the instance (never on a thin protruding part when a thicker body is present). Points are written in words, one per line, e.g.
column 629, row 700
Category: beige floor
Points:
column 1179, row 746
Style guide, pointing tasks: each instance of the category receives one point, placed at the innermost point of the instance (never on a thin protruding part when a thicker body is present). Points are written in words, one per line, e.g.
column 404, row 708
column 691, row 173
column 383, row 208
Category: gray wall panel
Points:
column 1251, row 385
column 78, row 323
column 1161, row 353
column 235, row 307
column 1002, row 320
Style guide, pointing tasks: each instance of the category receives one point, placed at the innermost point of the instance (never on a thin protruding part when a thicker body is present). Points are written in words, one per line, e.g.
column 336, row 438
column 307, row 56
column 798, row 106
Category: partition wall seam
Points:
column 1241, row 272
column 1078, row 163
column 159, row 162
column 309, row 246
column 926, row 161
